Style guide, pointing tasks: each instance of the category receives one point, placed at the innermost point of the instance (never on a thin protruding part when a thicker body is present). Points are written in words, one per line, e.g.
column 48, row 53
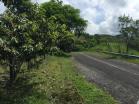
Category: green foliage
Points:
column 29, row 30
column 128, row 29
column 65, row 14
column 65, row 40
column 55, row 51
column 85, row 41
column 135, row 43
column 16, row 40
column 21, row 5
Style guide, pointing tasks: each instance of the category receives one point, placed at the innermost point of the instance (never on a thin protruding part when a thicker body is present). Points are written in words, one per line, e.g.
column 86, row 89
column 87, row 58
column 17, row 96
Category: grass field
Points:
column 110, row 56
column 55, row 82
column 114, row 47
column 98, row 51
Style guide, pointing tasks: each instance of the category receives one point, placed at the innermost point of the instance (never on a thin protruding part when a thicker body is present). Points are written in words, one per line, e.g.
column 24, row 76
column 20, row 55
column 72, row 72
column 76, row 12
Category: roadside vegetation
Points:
column 55, row 82
column 112, row 56
column 107, row 43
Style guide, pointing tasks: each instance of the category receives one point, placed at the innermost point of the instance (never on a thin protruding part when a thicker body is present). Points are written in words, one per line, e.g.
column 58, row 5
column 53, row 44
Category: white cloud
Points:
column 2, row 7
column 92, row 27
column 102, row 15
column 39, row 1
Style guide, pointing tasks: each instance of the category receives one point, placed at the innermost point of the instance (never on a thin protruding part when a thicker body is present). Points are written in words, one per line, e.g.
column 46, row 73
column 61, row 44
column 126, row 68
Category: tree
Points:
column 65, row 14
column 134, row 43
column 136, row 27
column 58, row 35
column 65, row 40
column 127, row 29
column 17, row 42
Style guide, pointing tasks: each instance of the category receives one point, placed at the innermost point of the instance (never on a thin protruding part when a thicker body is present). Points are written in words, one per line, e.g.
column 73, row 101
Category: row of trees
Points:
column 30, row 30
column 128, row 37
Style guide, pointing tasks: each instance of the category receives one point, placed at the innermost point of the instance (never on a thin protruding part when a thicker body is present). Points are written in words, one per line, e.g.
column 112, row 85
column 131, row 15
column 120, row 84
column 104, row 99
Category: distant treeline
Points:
column 128, row 36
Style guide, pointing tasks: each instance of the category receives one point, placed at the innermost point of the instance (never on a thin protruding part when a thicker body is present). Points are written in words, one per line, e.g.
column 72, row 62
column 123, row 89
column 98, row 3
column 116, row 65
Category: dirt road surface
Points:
column 120, row 79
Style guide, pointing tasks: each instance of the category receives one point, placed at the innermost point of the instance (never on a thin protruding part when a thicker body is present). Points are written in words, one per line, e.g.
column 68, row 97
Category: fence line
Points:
column 121, row 54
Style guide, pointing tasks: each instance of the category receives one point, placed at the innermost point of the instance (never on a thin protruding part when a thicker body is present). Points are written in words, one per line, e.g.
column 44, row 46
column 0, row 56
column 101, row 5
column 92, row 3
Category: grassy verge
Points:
column 55, row 82
column 111, row 56
column 114, row 48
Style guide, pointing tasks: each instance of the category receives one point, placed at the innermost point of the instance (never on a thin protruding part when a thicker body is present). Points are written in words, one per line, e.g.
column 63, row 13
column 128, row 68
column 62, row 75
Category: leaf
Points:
column 14, row 40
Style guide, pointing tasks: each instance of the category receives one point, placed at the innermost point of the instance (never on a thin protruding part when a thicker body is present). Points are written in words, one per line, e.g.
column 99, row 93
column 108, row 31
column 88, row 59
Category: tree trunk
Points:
column 119, row 47
column 127, row 49
column 15, row 67
column 44, row 56
column 29, row 65
column 127, row 46
column 12, row 74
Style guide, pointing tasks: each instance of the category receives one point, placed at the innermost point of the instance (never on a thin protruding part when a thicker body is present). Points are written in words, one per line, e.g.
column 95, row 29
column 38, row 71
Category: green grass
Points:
column 114, row 48
column 110, row 56
column 97, row 51
column 55, row 82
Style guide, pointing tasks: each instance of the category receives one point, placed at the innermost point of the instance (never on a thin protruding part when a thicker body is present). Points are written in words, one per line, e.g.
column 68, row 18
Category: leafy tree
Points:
column 65, row 40
column 127, row 29
column 65, row 14
column 58, row 35
column 134, row 43
column 17, row 42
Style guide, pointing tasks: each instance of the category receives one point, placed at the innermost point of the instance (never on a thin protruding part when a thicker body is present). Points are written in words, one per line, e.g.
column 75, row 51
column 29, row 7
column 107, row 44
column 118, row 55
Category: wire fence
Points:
column 122, row 54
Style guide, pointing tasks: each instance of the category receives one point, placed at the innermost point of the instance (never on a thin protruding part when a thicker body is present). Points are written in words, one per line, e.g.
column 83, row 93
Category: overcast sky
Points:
column 102, row 15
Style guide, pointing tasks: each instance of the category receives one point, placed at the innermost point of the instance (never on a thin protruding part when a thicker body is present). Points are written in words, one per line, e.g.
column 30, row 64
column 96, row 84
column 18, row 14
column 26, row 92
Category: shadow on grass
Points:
column 65, row 55
column 18, row 91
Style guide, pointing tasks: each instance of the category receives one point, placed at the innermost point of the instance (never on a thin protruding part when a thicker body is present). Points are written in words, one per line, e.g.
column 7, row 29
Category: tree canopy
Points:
column 65, row 14
column 128, row 29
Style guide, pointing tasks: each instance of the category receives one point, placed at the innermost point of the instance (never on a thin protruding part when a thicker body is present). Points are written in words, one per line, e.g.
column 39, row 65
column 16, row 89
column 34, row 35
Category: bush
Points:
column 55, row 51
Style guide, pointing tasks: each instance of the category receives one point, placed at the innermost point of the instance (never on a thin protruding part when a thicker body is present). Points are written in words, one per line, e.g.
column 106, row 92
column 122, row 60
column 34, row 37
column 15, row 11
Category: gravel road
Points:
column 120, row 79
